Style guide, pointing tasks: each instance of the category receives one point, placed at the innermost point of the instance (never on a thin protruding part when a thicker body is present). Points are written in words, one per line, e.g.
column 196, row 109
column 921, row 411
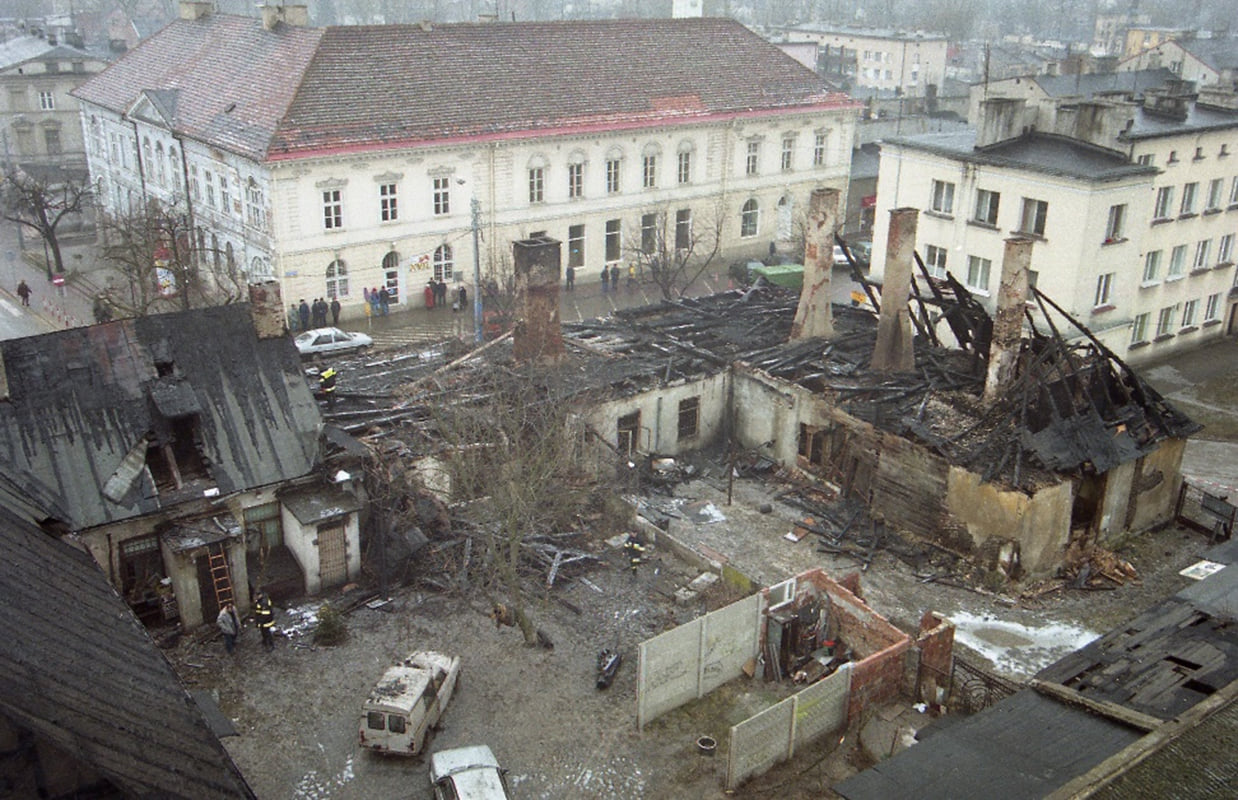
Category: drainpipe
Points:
column 894, row 351
column 1008, row 321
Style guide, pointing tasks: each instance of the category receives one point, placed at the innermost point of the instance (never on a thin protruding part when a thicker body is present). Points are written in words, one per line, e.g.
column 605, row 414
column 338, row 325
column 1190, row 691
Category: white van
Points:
column 407, row 702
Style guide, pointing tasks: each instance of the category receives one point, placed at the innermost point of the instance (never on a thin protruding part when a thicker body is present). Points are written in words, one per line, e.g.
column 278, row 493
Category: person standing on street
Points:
column 605, row 279
column 614, row 278
column 462, row 297
column 570, row 282
column 303, row 311
column 229, row 625
column 633, row 547
column 326, row 382
column 23, row 291
column 264, row 617
column 335, row 311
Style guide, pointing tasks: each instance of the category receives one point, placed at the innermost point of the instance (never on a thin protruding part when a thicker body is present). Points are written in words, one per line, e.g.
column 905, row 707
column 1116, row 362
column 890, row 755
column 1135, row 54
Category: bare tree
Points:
column 42, row 204
column 674, row 248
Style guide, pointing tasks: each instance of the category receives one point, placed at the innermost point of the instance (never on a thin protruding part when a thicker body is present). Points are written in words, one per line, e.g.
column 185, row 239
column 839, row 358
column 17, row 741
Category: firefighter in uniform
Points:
column 264, row 617
column 633, row 547
column 326, row 382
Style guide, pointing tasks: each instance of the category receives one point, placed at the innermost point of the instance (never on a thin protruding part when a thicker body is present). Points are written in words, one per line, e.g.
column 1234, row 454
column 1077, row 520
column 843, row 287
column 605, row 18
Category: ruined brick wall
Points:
column 935, row 644
column 877, row 679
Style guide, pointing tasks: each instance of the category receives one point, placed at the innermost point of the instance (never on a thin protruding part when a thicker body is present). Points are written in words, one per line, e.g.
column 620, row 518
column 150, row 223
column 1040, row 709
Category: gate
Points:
column 975, row 689
column 332, row 555
column 1207, row 513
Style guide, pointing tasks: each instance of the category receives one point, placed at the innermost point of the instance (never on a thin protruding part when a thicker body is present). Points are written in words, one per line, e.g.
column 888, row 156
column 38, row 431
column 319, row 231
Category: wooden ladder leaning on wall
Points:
column 221, row 576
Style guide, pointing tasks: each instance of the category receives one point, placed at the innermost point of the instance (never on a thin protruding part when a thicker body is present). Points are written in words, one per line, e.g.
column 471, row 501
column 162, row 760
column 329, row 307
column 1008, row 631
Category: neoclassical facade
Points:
column 296, row 157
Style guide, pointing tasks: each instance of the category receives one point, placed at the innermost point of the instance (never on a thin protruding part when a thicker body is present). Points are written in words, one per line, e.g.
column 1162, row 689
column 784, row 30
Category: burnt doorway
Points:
column 629, row 433
column 142, row 574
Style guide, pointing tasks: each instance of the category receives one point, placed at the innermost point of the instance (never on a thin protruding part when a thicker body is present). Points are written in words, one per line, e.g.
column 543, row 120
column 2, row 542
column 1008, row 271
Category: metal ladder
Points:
column 221, row 576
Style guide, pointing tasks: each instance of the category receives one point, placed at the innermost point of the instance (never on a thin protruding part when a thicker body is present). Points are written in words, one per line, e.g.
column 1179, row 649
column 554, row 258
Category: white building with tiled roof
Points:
column 343, row 158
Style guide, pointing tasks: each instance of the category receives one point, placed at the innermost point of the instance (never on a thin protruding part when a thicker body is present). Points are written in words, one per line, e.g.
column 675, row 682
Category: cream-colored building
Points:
column 1204, row 62
column 341, row 159
column 1133, row 210
column 903, row 62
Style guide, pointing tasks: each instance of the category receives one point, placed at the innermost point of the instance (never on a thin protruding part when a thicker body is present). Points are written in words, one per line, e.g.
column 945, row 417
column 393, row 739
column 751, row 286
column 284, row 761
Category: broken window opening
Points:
column 164, row 369
column 629, row 433
column 812, row 444
column 689, row 417
column 142, row 574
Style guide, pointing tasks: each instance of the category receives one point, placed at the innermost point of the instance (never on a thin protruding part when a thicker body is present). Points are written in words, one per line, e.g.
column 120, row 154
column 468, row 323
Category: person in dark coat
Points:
column 614, row 278
column 570, row 275
column 462, row 297
column 303, row 311
column 605, row 279
column 335, row 311
column 384, row 302
column 23, row 291
column 264, row 617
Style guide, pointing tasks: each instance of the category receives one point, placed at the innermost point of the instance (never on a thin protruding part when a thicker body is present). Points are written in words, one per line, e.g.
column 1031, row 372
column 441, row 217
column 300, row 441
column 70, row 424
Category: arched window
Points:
column 784, row 218
column 174, row 169
column 215, row 254
column 391, row 275
column 748, row 219
column 147, row 159
column 159, row 173
column 443, row 263
column 230, row 258
column 260, row 267
column 337, row 279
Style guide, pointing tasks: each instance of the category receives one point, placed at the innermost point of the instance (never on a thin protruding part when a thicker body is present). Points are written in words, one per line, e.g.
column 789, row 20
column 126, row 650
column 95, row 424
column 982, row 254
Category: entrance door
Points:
column 332, row 555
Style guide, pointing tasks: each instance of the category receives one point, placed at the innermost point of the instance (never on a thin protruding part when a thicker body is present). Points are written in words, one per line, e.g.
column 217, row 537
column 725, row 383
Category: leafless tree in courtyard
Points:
column 674, row 247
column 42, row 204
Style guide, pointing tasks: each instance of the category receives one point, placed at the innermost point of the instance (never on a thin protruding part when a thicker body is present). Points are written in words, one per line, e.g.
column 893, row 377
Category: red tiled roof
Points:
column 311, row 91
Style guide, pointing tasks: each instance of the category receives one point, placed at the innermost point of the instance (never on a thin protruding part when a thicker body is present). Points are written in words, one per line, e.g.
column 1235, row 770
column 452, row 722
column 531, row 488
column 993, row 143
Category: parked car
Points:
column 468, row 773
column 407, row 702
column 325, row 341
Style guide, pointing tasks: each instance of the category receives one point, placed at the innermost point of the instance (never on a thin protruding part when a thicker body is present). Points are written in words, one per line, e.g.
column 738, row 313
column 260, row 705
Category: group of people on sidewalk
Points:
column 307, row 316
column 229, row 622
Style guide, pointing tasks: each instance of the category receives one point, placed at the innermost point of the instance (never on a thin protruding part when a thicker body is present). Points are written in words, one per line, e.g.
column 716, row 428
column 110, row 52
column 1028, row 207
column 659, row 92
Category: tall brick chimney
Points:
column 266, row 306
column 1008, row 322
column 815, row 314
column 894, row 351
column 537, row 334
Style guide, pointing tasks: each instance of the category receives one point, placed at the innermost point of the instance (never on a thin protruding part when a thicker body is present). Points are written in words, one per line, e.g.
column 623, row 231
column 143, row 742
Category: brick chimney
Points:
column 815, row 314
column 294, row 15
column 536, row 334
column 196, row 9
column 1008, row 321
column 894, row 352
column 266, row 306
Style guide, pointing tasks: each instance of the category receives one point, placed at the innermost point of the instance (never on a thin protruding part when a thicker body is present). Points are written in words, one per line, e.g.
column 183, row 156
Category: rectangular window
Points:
column 788, row 152
column 1144, row 160
column 1189, row 309
column 1225, row 252
column 442, row 196
column 683, row 171
column 576, row 246
column 1033, row 218
column 986, row 207
column 752, row 162
column 683, row 229
column 17, row 102
column 1233, row 192
column 943, row 197
column 1152, row 267
column 689, row 417
column 1215, row 189
column 935, row 260
column 387, row 205
column 51, row 139
column 613, row 249
column 537, row 176
column 47, row 101
column 575, row 180
column 1165, row 321
column 648, row 233
column 649, row 172
column 1104, row 284
column 195, row 188
column 210, row 189
column 1203, row 249
column 1164, row 203
column 978, row 273
column 1116, row 225
column 1189, row 193
column 1139, row 329
column 818, row 150
column 225, row 195
column 612, row 176
column 1177, row 262
column 1212, row 308
column 255, row 208
column 332, row 207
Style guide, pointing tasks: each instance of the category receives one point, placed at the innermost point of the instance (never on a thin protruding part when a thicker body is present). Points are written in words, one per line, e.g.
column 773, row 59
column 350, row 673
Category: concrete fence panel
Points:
column 760, row 742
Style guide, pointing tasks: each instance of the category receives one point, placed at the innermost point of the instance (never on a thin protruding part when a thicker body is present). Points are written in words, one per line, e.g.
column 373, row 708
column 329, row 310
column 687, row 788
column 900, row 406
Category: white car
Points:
column 468, row 773
column 324, row 341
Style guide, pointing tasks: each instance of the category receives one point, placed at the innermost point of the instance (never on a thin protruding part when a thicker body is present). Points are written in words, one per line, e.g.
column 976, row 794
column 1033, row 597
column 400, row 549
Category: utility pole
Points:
column 478, row 336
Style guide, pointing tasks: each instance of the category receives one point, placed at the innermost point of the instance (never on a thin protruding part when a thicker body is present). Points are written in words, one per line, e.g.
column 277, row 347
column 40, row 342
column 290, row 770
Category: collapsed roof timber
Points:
column 1074, row 436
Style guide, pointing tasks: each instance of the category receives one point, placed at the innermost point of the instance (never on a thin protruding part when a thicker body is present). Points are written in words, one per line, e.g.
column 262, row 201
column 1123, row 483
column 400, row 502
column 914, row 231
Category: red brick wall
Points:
column 936, row 645
column 876, row 679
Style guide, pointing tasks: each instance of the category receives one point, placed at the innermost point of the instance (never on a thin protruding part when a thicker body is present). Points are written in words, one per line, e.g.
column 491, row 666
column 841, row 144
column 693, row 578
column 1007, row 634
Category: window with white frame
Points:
column 1104, row 285
column 1203, row 250
column 748, row 219
column 1144, row 160
column 337, row 279
column 978, row 273
column 683, row 229
column 1164, row 203
column 1165, row 321
column 935, row 260
column 649, row 171
column 1139, row 328
column 1032, row 220
column 537, row 188
column 1190, row 193
column 1233, row 192
column 648, row 233
column 225, row 195
column 788, row 153
column 614, row 243
column 576, row 246
column 1116, row 224
column 986, row 207
column 442, row 196
column 1189, row 309
column 819, row 143
column 1177, row 262
column 174, row 168
column 195, row 188
column 612, row 175
column 255, row 208
column 443, row 263
column 752, row 160
column 332, row 207
column 683, row 167
column 1215, row 189
column 388, row 203
column 1212, row 308
column 1152, row 266
column 576, row 180
column 209, row 178
column 47, row 101
column 1225, row 250
column 943, row 197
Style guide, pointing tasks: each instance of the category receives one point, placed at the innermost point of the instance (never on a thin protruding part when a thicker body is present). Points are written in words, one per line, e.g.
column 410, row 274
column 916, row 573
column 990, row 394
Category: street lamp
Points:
column 475, row 205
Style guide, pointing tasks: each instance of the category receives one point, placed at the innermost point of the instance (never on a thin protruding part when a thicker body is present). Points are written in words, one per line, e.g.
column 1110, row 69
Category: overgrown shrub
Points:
column 331, row 629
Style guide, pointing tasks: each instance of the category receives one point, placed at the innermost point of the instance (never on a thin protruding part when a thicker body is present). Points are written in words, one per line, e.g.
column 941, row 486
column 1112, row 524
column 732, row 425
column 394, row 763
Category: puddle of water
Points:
column 1015, row 648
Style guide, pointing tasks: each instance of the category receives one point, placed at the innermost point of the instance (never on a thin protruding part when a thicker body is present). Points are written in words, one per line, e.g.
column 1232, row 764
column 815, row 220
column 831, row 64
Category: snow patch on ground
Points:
column 1015, row 648
column 300, row 620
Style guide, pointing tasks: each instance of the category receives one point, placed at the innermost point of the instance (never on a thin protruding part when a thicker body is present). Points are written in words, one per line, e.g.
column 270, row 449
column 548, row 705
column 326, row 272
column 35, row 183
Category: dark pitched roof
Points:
column 1219, row 54
column 79, row 670
column 302, row 91
column 84, row 403
column 1093, row 83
